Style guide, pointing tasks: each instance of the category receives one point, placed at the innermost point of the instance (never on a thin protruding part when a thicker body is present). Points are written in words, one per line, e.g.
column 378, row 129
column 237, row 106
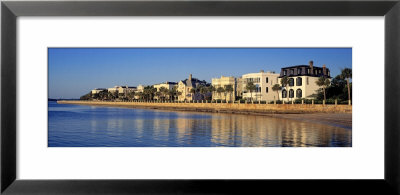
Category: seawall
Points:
column 225, row 107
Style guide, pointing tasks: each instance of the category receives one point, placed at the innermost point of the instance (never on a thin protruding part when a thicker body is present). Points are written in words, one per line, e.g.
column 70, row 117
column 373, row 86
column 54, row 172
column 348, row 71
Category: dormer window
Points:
column 284, row 72
column 292, row 72
column 299, row 71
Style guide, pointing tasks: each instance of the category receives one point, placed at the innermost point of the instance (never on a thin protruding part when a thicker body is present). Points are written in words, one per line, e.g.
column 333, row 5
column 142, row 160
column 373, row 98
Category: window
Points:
column 266, row 89
column 291, row 82
column 308, row 71
column 299, row 81
column 299, row 71
column 315, row 72
column 298, row 93
column 284, row 72
column 307, row 81
column 291, row 93
column 291, row 71
column 266, row 80
column 329, row 74
column 284, row 93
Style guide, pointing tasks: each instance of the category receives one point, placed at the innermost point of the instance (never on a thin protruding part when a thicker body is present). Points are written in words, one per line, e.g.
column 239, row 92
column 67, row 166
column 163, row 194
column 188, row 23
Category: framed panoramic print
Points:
column 199, row 97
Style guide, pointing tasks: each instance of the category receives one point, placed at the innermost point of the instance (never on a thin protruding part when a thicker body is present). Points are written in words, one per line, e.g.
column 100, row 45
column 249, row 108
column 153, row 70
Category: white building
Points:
column 302, row 81
column 167, row 85
column 263, row 82
column 185, row 88
column 122, row 89
column 98, row 90
column 223, row 82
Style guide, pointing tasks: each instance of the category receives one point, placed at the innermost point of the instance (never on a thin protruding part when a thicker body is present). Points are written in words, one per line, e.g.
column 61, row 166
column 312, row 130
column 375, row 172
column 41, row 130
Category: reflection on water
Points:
column 83, row 126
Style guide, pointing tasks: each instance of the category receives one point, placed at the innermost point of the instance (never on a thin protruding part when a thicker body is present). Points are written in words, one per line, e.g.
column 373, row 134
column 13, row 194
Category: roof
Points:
column 194, row 82
column 303, row 71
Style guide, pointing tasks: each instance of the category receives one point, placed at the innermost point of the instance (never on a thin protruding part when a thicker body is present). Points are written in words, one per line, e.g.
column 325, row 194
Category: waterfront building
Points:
column 223, row 82
column 122, row 89
column 185, row 88
column 239, row 87
column 140, row 88
column 302, row 80
column 98, row 90
column 167, row 85
column 263, row 82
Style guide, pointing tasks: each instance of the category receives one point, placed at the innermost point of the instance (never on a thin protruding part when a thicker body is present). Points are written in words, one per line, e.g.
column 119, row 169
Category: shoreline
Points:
column 339, row 115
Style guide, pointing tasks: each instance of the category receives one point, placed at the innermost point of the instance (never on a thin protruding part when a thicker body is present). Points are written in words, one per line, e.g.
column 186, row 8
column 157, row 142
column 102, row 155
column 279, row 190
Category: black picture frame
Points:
column 11, row 10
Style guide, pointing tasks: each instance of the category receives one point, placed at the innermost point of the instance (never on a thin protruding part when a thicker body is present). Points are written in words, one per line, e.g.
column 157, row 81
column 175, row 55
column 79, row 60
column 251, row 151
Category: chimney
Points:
column 261, row 70
column 190, row 77
column 324, row 70
column 311, row 67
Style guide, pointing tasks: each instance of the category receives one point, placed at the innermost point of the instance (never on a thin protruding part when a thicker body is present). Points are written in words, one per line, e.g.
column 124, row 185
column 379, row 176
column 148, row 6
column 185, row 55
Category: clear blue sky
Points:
column 75, row 71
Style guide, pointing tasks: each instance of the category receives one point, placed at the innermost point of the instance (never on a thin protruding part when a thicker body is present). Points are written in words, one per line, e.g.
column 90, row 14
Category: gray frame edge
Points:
column 10, row 10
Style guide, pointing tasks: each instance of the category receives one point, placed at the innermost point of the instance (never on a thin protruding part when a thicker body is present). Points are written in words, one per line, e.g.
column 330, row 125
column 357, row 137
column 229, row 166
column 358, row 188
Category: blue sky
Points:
column 75, row 71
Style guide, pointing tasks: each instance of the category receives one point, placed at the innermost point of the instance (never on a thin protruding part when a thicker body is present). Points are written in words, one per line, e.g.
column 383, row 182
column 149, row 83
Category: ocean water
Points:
column 96, row 126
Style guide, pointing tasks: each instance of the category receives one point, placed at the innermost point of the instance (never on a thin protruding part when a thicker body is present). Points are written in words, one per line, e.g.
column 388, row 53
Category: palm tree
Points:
column 347, row 74
column 158, row 94
column 140, row 94
column 149, row 92
column 284, row 83
column 178, row 93
column 251, row 87
column 131, row 95
column 171, row 94
column 164, row 92
column 323, row 82
column 203, row 90
column 276, row 88
column 212, row 90
column 174, row 92
column 229, row 89
column 220, row 90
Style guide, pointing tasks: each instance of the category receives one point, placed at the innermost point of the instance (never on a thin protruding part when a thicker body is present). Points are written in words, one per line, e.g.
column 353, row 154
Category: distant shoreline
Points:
column 339, row 115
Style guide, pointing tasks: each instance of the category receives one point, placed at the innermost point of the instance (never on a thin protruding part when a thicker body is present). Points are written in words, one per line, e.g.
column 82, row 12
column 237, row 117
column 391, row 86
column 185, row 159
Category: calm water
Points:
column 91, row 126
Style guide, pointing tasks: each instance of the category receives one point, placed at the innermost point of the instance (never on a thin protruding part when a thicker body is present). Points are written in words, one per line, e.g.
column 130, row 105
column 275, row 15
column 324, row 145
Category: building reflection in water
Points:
column 189, row 129
column 151, row 128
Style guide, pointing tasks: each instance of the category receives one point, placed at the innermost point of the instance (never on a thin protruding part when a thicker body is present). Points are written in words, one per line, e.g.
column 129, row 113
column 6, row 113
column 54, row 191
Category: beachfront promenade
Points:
column 239, row 108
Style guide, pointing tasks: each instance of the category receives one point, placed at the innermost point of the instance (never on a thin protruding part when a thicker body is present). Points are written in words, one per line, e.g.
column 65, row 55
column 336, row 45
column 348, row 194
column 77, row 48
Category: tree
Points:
column 171, row 94
column 130, row 95
column 87, row 96
column 251, row 87
column 164, row 92
column 174, row 92
column 347, row 74
column 140, row 95
column 228, row 89
column 284, row 83
column 203, row 90
column 323, row 82
column 158, row 94
column 212, row 90
column 276, row 88
column 220, row 90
